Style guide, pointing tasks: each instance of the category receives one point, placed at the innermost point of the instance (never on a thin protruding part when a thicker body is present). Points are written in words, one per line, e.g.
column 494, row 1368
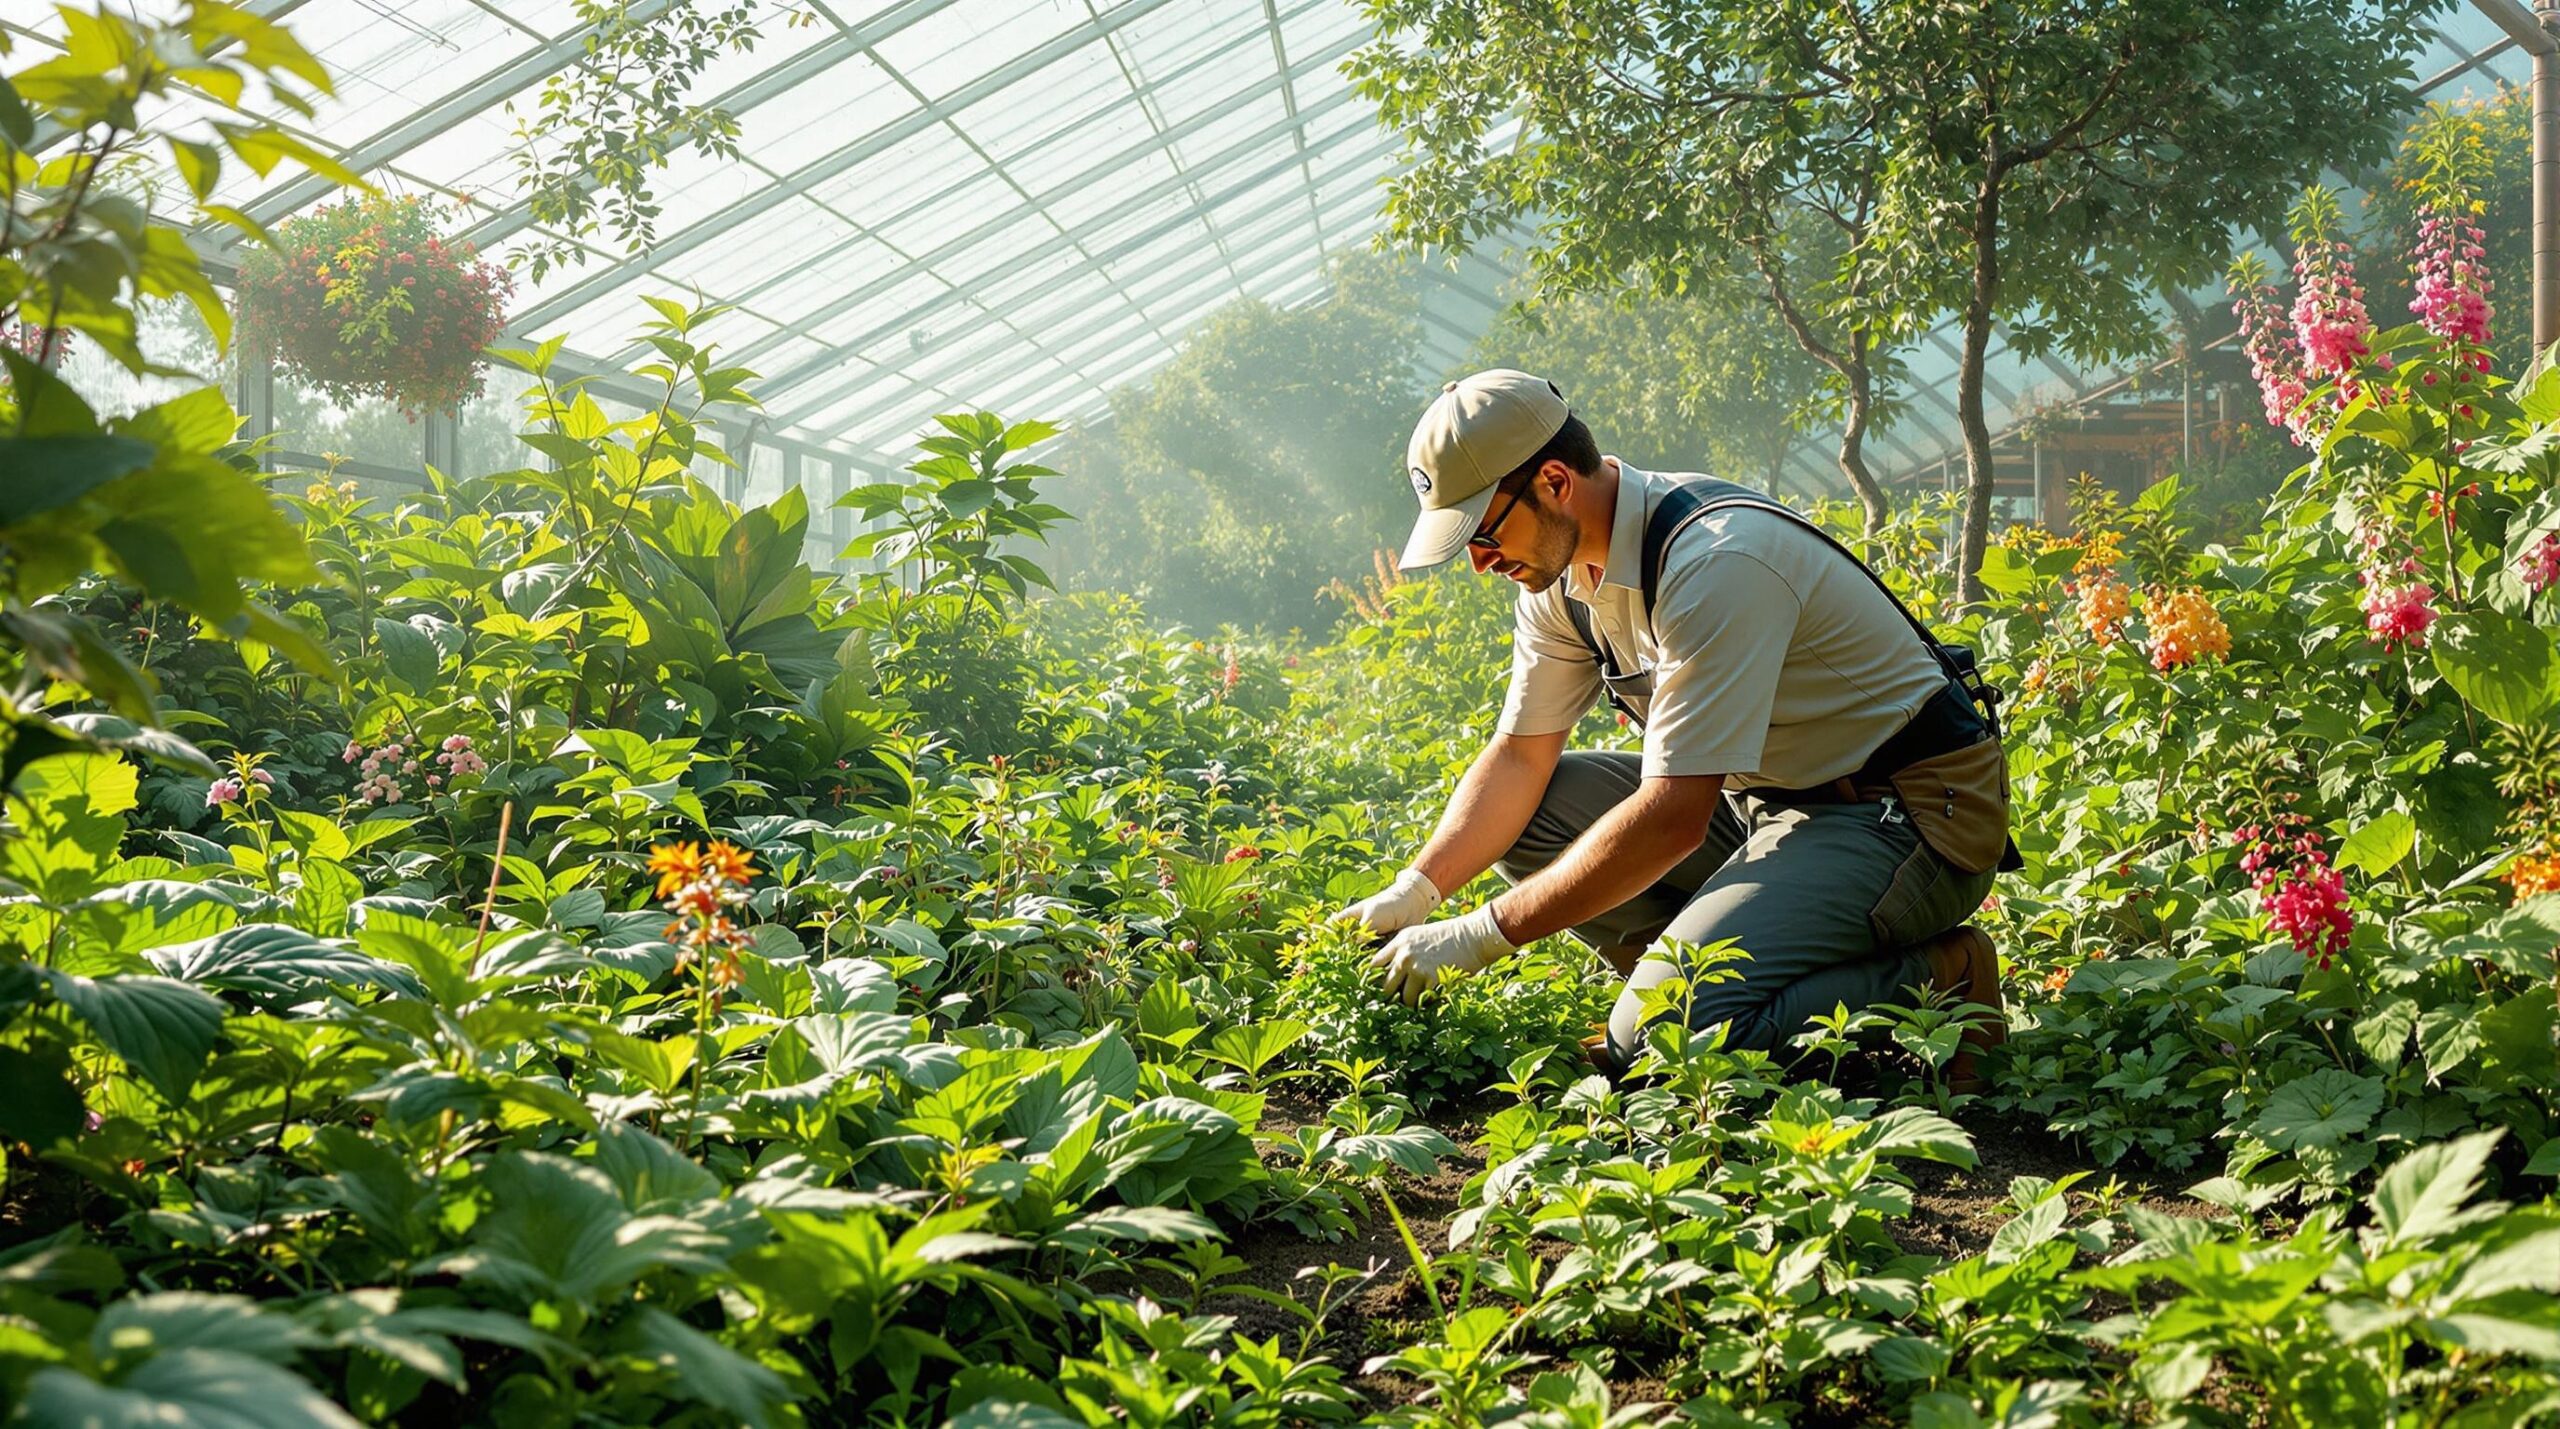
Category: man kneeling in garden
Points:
column 1821, row 781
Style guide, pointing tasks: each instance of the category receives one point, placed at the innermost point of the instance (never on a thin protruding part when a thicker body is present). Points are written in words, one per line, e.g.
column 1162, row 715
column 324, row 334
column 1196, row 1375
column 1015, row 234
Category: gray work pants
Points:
column 1831, row 902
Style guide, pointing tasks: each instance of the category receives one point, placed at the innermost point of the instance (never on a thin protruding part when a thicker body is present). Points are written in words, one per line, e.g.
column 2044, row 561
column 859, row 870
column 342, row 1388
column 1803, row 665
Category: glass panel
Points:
column 821, row 114
column 776, row 243
column 911, row 296
column 926, row 161
column 865, row 260
column 1063, row 94
column 1252, row 127
column 1161, row 43
column 1055, row 274
column 1136, row 166
column 972, row 37
column 1206, row 89
column 1314, row 28
column 169, row 332
column 982, row 200
column 991, row 260
column 732, row 70
column 486, row 427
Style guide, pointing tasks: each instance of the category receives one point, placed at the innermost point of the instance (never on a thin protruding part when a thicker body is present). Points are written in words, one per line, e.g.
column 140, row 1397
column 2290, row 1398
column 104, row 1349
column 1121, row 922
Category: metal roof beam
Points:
column 920, row 202
column 817, row 364
column 931, row 114
column 1107, row 325
column 1196, row 211
column 420, row 126
column 1056, row 243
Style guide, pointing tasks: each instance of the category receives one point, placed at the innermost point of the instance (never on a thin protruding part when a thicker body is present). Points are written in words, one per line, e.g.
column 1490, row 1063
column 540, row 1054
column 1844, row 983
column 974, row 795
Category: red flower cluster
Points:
column 366, row 299
column 2303, row 897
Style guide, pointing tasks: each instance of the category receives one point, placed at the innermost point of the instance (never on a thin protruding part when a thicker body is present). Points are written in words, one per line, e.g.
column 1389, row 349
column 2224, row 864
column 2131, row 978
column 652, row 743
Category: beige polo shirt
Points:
column 1775, row 661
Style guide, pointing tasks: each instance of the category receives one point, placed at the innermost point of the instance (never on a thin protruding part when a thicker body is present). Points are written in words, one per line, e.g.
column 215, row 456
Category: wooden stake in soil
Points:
column 497, row 869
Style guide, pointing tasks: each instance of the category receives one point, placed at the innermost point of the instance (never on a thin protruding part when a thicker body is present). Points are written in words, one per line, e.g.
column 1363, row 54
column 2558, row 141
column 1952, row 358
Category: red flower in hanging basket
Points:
column 337, row 301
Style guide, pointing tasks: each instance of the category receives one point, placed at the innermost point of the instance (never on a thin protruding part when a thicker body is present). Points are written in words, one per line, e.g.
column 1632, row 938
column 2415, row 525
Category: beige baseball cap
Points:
column 1476, row 432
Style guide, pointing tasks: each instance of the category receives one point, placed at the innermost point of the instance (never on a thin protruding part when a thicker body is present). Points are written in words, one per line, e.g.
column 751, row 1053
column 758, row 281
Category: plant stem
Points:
column 1413, row 1248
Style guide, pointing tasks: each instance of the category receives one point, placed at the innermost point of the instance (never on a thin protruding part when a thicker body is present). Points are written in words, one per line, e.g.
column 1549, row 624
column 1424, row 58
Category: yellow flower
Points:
column 676, row 865
column 728, row 863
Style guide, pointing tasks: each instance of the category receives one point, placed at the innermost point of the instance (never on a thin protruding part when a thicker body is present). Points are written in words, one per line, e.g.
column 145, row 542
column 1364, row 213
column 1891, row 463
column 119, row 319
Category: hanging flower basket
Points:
column 366, row 299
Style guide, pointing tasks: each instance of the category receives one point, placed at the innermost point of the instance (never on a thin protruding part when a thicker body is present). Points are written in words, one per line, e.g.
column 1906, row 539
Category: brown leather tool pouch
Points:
column 1960, row 801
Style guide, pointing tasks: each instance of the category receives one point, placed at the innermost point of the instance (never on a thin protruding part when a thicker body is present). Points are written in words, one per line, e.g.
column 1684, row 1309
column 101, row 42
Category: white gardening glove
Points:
column 1420, row 956
column 1405, row 902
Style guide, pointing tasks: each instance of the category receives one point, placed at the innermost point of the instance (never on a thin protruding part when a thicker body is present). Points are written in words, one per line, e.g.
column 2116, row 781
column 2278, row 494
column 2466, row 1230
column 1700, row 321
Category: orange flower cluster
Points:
column 2533, row 874
column 702, row 885
column 2104, row 603
column 2185, row 628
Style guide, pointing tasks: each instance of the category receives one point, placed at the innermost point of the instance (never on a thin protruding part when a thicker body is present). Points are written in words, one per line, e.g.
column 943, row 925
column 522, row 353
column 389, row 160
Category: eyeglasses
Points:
column 1485, row 540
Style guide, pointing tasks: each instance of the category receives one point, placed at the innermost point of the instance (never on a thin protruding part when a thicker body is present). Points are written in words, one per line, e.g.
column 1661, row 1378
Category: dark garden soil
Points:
column 1954, row 1212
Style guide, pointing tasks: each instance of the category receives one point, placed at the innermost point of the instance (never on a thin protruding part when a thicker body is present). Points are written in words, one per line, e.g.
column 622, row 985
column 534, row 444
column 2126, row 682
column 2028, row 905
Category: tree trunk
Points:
column 1853, row 437
column 1786, row 443
column 1854, row 371
column 1978, row 308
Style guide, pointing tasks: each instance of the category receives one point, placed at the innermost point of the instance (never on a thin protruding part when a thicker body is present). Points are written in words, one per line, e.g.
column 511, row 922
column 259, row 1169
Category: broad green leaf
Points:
column 184, row 1389
column 2505, row 667
column 280, row 965
column 558, row 1227
column 2033, row 1227
column 2425, row 1193
column 2379, row 844
column 2321, row 1108
column 1915, row 1131
column 1256, row 1045
column 705, row 1370
column 163, row 1030
column 189, row 1320
column 412, row 658
column 43, row 474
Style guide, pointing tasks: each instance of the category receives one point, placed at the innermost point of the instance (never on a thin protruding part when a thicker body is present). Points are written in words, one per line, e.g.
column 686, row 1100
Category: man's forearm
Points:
column 1623, row 853
column 1491, row 805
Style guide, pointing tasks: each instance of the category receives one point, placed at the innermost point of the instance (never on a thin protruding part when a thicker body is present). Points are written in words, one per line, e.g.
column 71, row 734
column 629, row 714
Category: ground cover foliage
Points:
column 654, row 980
column 537, row 953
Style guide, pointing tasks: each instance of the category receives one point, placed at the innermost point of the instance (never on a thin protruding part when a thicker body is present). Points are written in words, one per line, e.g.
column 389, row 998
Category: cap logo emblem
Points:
column 1421, row 482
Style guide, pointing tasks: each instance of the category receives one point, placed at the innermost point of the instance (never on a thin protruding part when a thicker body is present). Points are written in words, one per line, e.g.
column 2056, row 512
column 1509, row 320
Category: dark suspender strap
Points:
column 1601, row 655
column 1693, row 501
column 1687, row 504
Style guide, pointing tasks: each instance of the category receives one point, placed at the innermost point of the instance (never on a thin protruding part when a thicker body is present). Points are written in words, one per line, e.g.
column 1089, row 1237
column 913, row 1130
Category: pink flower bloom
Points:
column 2453, row 280
column 2275, row 356
column 2540, row 568
column 263, row 777
column 224, row 791
column 2398, row 615
column 2329, row 318
column 353, row 753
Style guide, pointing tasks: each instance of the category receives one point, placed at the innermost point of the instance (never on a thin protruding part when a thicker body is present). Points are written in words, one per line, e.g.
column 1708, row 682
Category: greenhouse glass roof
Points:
column 1010, row 204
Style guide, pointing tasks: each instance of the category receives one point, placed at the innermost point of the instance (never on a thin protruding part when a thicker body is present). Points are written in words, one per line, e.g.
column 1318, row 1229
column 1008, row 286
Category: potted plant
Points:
column 366, row 298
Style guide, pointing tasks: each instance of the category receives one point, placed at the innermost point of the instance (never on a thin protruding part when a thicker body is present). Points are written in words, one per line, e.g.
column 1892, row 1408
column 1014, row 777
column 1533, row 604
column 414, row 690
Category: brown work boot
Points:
column 1963, row 963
